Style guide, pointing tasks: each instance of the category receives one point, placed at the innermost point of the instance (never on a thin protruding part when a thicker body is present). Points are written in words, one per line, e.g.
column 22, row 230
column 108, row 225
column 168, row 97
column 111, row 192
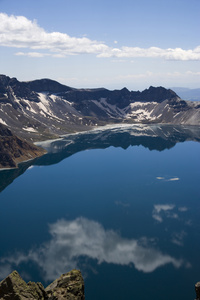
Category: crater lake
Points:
column 121, row 203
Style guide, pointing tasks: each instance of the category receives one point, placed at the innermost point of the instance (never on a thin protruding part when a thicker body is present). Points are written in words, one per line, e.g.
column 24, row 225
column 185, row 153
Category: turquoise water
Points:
column 127, row 218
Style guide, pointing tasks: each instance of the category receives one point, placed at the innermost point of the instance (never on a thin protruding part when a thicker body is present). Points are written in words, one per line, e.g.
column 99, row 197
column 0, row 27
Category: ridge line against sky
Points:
column 79, row 60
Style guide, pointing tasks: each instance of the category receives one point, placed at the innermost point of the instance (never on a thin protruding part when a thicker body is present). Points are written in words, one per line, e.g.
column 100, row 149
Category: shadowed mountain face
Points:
column 153, row 137
column 43, row 109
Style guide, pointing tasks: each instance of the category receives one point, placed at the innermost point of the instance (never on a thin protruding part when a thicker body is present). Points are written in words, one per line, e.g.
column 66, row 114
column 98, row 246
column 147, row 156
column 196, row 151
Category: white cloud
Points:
column 154, row 52
column 147, row 74
column 178, row 238
column 85, row 238
column 163, row 207
column 32, row 54
column 159, row 208
column 161, row 211
column 183, row 209
column 193, row 73
column 20, row 32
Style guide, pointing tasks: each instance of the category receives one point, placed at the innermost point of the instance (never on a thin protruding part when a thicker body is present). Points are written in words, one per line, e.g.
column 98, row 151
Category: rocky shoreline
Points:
column 68, row 286
column 14, row 150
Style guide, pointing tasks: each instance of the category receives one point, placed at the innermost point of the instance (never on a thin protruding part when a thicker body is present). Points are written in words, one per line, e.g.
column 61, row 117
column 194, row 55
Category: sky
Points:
column 111, row 44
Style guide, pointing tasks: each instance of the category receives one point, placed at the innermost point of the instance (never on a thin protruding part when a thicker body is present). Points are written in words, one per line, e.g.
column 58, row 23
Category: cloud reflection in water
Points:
column 81, row 237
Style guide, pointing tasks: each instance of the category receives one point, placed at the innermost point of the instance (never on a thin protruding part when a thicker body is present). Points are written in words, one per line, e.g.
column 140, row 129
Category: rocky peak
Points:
column 125, row 91
column 69, row 286
column 11, row 86
column 14, row 287
column 4, row 80
column 29, row 89
column 47, row 85
column 156, row 94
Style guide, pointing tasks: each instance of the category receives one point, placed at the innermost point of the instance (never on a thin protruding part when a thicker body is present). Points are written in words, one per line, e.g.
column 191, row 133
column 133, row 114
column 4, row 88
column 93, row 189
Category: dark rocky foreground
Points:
column 68, row 286
column 197, row 290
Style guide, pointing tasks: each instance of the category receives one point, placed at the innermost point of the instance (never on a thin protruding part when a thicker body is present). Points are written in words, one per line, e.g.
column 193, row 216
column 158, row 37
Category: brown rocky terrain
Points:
column 14, row 150
column 68, row 286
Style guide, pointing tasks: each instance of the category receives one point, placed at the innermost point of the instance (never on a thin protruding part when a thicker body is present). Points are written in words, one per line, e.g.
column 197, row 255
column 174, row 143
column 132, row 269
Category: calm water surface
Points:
column 127, row 217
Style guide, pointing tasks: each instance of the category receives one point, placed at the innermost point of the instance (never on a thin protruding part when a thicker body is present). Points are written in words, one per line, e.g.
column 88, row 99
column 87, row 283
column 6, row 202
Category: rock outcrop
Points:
column 197, row 290
column 68, row 286
column 14, row 150
column 14, row 287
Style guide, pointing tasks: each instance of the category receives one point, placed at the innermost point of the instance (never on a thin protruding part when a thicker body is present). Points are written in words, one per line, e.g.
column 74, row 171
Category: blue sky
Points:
column 112, row 44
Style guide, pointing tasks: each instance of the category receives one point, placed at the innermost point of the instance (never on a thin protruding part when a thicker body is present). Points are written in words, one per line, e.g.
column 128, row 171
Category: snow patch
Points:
column 141, row 104
column 141, row 112
column 176, row 114
column 44, row 105
column 3, row 122
column 30, row 129
column 111, row 110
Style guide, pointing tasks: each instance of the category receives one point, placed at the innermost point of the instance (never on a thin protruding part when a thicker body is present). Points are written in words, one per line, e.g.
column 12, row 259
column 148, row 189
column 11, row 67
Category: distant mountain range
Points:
column 187, row 94
column 45, row 109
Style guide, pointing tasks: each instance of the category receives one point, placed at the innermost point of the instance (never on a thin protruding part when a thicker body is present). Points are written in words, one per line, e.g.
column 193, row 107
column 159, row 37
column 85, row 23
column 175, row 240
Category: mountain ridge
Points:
column 45, row 109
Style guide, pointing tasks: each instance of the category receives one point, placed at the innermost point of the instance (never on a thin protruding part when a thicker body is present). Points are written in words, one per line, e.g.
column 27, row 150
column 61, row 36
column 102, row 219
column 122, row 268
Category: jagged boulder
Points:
column 68, row 286
column 14, row 287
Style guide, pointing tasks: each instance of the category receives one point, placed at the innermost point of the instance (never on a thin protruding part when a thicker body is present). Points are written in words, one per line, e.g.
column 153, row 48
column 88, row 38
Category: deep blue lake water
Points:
column 126, row 216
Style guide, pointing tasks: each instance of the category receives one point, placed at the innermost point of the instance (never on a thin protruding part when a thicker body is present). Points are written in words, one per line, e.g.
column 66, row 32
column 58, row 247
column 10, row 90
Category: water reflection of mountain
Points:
column 153, row 137
column 8, row 176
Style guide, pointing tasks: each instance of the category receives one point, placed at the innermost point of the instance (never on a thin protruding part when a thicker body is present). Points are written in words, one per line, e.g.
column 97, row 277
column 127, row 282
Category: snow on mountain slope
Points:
column 43, row 109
